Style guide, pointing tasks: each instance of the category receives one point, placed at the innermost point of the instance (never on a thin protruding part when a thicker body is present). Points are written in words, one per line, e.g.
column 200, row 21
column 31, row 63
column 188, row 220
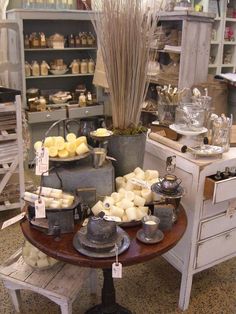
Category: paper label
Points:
column 42, row 162
column 40, row 211
column 13, row 220
column 116, row 270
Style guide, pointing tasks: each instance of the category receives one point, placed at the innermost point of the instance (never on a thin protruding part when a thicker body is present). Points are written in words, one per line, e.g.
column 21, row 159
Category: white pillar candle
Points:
column 131, row 213
column 147, row 194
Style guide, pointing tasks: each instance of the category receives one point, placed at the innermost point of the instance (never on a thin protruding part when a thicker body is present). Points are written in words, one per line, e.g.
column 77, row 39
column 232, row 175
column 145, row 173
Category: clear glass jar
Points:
column 82, row 100
column 74, row 67
column 51, row 4
column 44, row 67
column 91, row 66
column 221, row 131
column 84, row 66
column 190, row 117
column 35, row 68
column 62, row 4
column 27, row 69
column 39, row 4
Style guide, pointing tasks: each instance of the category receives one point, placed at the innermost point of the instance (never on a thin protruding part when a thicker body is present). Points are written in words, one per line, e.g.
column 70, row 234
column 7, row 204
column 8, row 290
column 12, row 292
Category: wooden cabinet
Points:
column 65, row 23
column 211, row 232
column 11, row 150
column 193, row 50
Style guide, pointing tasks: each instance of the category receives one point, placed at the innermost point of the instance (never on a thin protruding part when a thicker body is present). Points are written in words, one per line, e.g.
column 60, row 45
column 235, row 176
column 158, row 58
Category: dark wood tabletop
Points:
column 137, row 252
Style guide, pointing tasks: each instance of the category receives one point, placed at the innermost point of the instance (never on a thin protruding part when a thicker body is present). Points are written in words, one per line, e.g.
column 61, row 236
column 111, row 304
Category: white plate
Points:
column 207, row 150
column 177, row 129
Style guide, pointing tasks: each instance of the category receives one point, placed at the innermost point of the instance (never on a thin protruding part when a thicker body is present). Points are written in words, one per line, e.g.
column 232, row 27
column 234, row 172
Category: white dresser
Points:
column 211, row 234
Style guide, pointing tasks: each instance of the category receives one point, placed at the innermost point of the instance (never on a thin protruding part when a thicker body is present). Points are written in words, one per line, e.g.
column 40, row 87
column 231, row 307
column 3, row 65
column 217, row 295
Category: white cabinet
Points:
column 211, row 232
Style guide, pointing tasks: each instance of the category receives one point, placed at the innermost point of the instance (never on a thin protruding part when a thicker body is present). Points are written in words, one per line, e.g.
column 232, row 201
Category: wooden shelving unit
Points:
column 11, row 155
column 220, row 47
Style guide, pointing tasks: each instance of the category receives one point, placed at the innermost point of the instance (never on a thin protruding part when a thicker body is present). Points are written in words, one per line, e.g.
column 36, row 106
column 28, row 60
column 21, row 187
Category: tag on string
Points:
column 116, row 267
column 13, row 220
column 42, row 162
column 40, row 211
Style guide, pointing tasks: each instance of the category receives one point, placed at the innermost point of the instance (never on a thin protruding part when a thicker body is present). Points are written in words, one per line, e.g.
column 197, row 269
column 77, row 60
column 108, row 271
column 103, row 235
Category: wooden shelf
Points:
column 230, row 19
column 61, row 49
column 229, row 43
column 56, row 76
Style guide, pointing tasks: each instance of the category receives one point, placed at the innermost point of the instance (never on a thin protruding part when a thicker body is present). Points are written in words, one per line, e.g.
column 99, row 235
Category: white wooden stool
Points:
column 61, row 284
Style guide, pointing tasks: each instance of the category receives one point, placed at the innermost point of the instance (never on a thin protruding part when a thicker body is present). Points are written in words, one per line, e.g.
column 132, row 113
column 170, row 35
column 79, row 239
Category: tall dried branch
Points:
column 125, row 31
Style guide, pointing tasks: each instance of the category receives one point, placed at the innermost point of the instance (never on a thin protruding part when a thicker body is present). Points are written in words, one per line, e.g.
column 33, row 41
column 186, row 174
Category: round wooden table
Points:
column 138, row 252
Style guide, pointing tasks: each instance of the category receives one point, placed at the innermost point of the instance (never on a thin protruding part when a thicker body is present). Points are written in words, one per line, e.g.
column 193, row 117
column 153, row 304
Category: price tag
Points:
column 116, row 267
column 42, row 162
column 117, row 270
column 13, row 220
column 40, row 208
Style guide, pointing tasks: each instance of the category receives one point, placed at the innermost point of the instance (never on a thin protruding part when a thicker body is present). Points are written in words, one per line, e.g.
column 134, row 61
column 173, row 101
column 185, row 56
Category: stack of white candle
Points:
column 128, row 203
column 53, row 198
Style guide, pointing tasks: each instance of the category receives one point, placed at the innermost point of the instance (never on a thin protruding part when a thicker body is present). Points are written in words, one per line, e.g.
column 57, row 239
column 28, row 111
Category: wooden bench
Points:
column 61, row 283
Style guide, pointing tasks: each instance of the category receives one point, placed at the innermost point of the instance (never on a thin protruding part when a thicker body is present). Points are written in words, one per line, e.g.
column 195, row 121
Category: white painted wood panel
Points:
column 209, row 209
column 217, row 225
column 216, row 248
column 224, row 190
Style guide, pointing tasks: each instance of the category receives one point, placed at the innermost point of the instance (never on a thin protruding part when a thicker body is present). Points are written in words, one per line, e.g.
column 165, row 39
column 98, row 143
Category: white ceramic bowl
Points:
column 59, row 72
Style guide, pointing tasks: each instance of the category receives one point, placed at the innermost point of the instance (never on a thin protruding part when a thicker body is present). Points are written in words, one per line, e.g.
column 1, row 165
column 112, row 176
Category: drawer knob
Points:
column 227, row 236
column 48, row 115
column 86, row 111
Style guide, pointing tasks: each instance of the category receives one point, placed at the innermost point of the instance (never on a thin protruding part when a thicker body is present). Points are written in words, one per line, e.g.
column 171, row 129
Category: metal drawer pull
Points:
column 48, row 115
column 228, row 235
column 86, row 111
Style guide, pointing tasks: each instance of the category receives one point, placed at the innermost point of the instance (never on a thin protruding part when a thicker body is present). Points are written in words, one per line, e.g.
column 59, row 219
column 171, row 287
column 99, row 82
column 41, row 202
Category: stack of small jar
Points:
column 48, row 4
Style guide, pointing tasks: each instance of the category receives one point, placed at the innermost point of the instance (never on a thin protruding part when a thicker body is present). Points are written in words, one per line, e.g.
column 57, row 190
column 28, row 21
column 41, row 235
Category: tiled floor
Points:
column 149, row 288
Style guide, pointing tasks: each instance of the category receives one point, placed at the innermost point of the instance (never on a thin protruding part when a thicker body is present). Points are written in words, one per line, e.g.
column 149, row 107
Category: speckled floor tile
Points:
column 148, row 288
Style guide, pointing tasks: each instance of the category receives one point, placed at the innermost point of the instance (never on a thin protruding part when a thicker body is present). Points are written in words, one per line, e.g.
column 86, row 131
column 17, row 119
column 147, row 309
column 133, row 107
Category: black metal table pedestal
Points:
column 108, row 305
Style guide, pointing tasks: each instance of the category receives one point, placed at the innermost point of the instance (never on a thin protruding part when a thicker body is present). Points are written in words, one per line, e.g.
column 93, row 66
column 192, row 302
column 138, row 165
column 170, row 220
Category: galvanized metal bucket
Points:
column 128, row 150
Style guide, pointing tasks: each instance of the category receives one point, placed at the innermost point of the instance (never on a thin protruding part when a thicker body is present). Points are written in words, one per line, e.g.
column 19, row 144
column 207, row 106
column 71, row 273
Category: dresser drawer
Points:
column 37, row 117
column 220, row 191
column 85, row 112
column 215, row 248
column 216, row 225
column 209, row 209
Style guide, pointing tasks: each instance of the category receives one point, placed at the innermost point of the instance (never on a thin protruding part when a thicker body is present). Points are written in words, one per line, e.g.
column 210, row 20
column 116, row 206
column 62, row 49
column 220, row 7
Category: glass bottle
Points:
column 89, row 98
column 84, row 66
column 42, row 103
column 44, row 67
column 61, row 4
column 27, row 69
column 29, row 4
column 74, row 67
column 35, row 68
column 51, row 4
column 70, row 4
column 77, row 41
column 82, row 100
column 71, row 41
column 42, row 40
column 39, row 4
column 26, row 42
column 91, row 66
column 83, row 37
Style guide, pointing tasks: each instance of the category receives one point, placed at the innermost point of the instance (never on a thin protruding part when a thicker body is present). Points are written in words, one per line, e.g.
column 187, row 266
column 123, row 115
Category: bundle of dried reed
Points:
column 125, row 31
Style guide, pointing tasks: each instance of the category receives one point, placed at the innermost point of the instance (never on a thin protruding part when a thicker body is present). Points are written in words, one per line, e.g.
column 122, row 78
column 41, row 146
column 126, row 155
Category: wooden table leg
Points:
column 108, row 305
